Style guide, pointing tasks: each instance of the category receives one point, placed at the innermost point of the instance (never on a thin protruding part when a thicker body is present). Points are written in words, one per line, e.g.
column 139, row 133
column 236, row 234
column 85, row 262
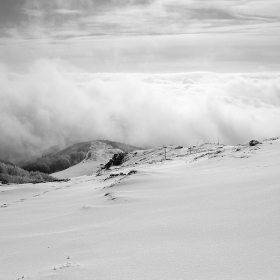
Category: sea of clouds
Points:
column 54, row 103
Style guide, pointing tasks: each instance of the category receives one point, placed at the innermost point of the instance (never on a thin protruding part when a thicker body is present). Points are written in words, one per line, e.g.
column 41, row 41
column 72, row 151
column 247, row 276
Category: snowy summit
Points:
column 206, row 212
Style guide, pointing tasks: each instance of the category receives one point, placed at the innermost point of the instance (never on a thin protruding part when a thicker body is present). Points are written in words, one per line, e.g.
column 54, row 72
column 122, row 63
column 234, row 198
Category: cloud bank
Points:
column 178, row 35
column 55, row 103
column 117, row 17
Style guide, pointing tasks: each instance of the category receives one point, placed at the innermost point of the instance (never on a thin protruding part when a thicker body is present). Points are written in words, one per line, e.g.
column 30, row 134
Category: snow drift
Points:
column 209, row 213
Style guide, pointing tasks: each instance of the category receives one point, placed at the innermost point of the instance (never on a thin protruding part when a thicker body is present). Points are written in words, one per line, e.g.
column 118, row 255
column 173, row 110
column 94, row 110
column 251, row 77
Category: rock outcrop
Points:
column 254, row 143
column 116, row 160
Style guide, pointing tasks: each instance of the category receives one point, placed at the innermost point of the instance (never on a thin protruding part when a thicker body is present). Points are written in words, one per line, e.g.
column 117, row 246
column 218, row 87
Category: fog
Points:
column 55, row 103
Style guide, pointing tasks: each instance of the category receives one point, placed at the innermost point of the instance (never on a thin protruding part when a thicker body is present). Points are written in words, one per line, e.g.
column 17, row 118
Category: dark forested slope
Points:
column 60, row 160
column 10, row 173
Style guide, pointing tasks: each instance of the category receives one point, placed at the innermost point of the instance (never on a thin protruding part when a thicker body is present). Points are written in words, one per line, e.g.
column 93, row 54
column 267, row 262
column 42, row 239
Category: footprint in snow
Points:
column 4, row 205
column 66, row 265
column 21, row 200
column 110, row 196
column 85, row 207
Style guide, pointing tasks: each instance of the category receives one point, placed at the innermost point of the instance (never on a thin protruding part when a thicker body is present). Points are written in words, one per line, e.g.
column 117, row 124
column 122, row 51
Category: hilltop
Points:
column 54, row 160
column 206, row 212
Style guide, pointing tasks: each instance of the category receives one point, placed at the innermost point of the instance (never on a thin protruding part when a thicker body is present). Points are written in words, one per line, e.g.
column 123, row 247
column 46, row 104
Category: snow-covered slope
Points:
column 209, row 213
column 99, row 153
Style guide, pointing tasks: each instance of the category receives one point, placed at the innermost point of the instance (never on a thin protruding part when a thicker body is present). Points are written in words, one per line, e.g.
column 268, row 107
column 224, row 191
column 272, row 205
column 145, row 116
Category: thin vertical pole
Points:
column 164, row 147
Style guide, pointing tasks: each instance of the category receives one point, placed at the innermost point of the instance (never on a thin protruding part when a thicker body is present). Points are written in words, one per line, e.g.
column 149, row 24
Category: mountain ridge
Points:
column 56, row 161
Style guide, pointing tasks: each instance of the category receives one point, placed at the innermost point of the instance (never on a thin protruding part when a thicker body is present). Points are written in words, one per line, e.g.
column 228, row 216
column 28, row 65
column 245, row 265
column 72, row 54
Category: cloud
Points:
column 10, row 13
column 55, row 103
column 154, row 17
column 67, row 12
column 142, row 36
column 153, row 54
column 200, row 13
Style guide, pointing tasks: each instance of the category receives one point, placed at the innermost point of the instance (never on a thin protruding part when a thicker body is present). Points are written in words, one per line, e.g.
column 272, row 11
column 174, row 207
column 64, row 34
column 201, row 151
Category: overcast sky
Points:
column 143, row 35
column 144, row 72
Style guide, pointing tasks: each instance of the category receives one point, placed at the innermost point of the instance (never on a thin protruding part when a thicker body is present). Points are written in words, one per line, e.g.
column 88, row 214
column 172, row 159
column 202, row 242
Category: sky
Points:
column 143, row 72
column 143, row 35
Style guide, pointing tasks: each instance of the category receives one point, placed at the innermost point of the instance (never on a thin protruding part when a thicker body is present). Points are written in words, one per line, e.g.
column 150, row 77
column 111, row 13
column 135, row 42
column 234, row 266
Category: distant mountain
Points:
column 98, row 153
column 99, row 150
column 60, row 160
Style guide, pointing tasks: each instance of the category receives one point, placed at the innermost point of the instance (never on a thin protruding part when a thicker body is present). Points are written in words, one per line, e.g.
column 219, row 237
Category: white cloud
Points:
column 148, row 36
column 50, row 105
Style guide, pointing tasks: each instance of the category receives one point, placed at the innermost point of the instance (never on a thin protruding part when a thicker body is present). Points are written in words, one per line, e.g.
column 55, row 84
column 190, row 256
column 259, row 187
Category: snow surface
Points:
column 209, row 213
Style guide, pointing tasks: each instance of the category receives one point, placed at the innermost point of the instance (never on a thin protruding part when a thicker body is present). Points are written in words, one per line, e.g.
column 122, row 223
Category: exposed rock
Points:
column 111, row 176
column 132, row 172
column 116, row 160
column 254, row 143
column 178, row 147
